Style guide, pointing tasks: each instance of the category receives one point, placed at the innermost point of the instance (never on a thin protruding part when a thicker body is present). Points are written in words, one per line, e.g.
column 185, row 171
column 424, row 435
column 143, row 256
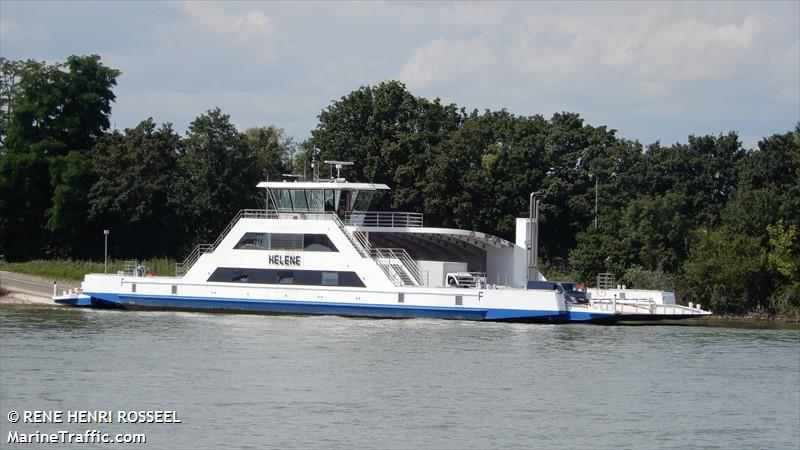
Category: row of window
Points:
column 319, row 200
column 286, row 241
column 286, row 276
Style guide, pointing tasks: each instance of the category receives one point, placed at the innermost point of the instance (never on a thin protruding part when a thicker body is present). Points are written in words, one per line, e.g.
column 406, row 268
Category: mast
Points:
column 533, row 233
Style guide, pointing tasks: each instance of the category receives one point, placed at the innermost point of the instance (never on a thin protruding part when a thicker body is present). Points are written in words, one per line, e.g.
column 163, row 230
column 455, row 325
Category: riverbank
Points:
column 29, row 290
column 755, row 317
column 752, row 321
column 22, row 299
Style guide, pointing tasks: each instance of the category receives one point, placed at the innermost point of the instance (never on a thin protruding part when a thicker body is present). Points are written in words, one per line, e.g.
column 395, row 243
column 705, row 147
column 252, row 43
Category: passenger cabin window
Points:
column 286, row 241
column 284, row 276
column 330, row 278
column 254, row 241
column 283, row 241
column 318, row 243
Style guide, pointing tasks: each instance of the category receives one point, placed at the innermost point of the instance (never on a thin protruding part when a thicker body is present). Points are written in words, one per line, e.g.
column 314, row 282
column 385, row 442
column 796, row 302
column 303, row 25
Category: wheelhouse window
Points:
column 283, row 200
column 299, row 201
column 331, row 199
column 286, row 241
column 315, row 200
column 361, row 200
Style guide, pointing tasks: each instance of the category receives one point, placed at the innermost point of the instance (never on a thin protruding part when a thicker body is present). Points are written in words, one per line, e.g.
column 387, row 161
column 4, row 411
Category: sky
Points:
column 654, row 71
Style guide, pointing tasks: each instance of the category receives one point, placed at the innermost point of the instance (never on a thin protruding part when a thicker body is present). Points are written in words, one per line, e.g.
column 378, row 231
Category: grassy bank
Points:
column 71, row 270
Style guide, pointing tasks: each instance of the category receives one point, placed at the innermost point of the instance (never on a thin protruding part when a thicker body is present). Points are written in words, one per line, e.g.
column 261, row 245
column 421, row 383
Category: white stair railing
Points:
column 358, row 239
column 396, row 263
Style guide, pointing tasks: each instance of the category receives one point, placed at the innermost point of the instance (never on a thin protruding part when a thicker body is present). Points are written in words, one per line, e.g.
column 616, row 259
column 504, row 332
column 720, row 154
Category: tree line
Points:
column 707, row 218
column 64, row 177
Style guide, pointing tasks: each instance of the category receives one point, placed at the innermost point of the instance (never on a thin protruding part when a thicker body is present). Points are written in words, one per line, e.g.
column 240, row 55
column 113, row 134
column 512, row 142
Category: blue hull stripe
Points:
column 581, row 316
column 81, row 301
column 310, row 307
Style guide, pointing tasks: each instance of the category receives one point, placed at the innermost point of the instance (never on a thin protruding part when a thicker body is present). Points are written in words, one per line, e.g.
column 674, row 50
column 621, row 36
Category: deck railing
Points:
column 183, row 267
column 384, row 219
column 643, row 306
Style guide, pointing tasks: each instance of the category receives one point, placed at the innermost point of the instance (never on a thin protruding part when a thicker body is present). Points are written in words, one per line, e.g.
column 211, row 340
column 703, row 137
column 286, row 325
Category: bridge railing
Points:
column 384, row 219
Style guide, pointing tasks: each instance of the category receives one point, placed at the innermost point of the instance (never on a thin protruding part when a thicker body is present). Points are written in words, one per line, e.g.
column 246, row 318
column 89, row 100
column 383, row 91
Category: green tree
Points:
column 55, row 110
column 23, row 205
column 136, row 175
column 705, row 171
column 218, row 177
column 768, row 190
column 275, row 151
column 784, row 261
column 726, row 271
column 388, row 134
column 9, row 87
column 654, row 231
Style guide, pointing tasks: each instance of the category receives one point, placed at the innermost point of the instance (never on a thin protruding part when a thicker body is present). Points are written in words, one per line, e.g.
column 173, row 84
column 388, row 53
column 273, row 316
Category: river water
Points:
column 249, row 381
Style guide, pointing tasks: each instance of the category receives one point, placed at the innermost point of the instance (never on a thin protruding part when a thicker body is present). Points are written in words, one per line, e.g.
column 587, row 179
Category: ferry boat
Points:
column 318, row 249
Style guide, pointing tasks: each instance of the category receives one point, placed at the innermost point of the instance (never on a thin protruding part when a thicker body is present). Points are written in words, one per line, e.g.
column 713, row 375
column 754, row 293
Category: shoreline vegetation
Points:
column 707, row 218
column 72, row 271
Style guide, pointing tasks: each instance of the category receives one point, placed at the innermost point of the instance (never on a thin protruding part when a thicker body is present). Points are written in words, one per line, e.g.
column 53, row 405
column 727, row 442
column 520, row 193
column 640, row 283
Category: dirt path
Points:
column 29, row 290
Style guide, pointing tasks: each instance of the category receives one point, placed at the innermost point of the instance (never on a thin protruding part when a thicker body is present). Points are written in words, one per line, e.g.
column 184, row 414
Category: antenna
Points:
column 314, row 168
column 339, row 165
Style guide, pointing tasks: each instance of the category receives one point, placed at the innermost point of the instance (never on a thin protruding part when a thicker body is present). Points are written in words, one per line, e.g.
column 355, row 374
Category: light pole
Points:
column 596, row 216
column 596, row 179
column 105, row 252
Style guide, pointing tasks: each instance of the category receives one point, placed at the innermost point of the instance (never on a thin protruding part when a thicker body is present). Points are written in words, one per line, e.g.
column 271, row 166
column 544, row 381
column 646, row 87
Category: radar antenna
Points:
column 338, row 165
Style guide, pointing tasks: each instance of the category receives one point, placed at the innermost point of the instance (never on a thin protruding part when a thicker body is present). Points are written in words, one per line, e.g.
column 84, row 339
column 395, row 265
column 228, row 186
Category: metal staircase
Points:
column 398, row 266
column 357, row 238
column 396, row 263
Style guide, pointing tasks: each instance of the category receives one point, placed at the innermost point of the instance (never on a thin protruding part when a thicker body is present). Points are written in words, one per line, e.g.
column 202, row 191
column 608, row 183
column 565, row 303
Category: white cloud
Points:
column 655, row 70
column 7, row 27
column 443, row 60
column 250, row 31
column 253, row 20
column 216, row 18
